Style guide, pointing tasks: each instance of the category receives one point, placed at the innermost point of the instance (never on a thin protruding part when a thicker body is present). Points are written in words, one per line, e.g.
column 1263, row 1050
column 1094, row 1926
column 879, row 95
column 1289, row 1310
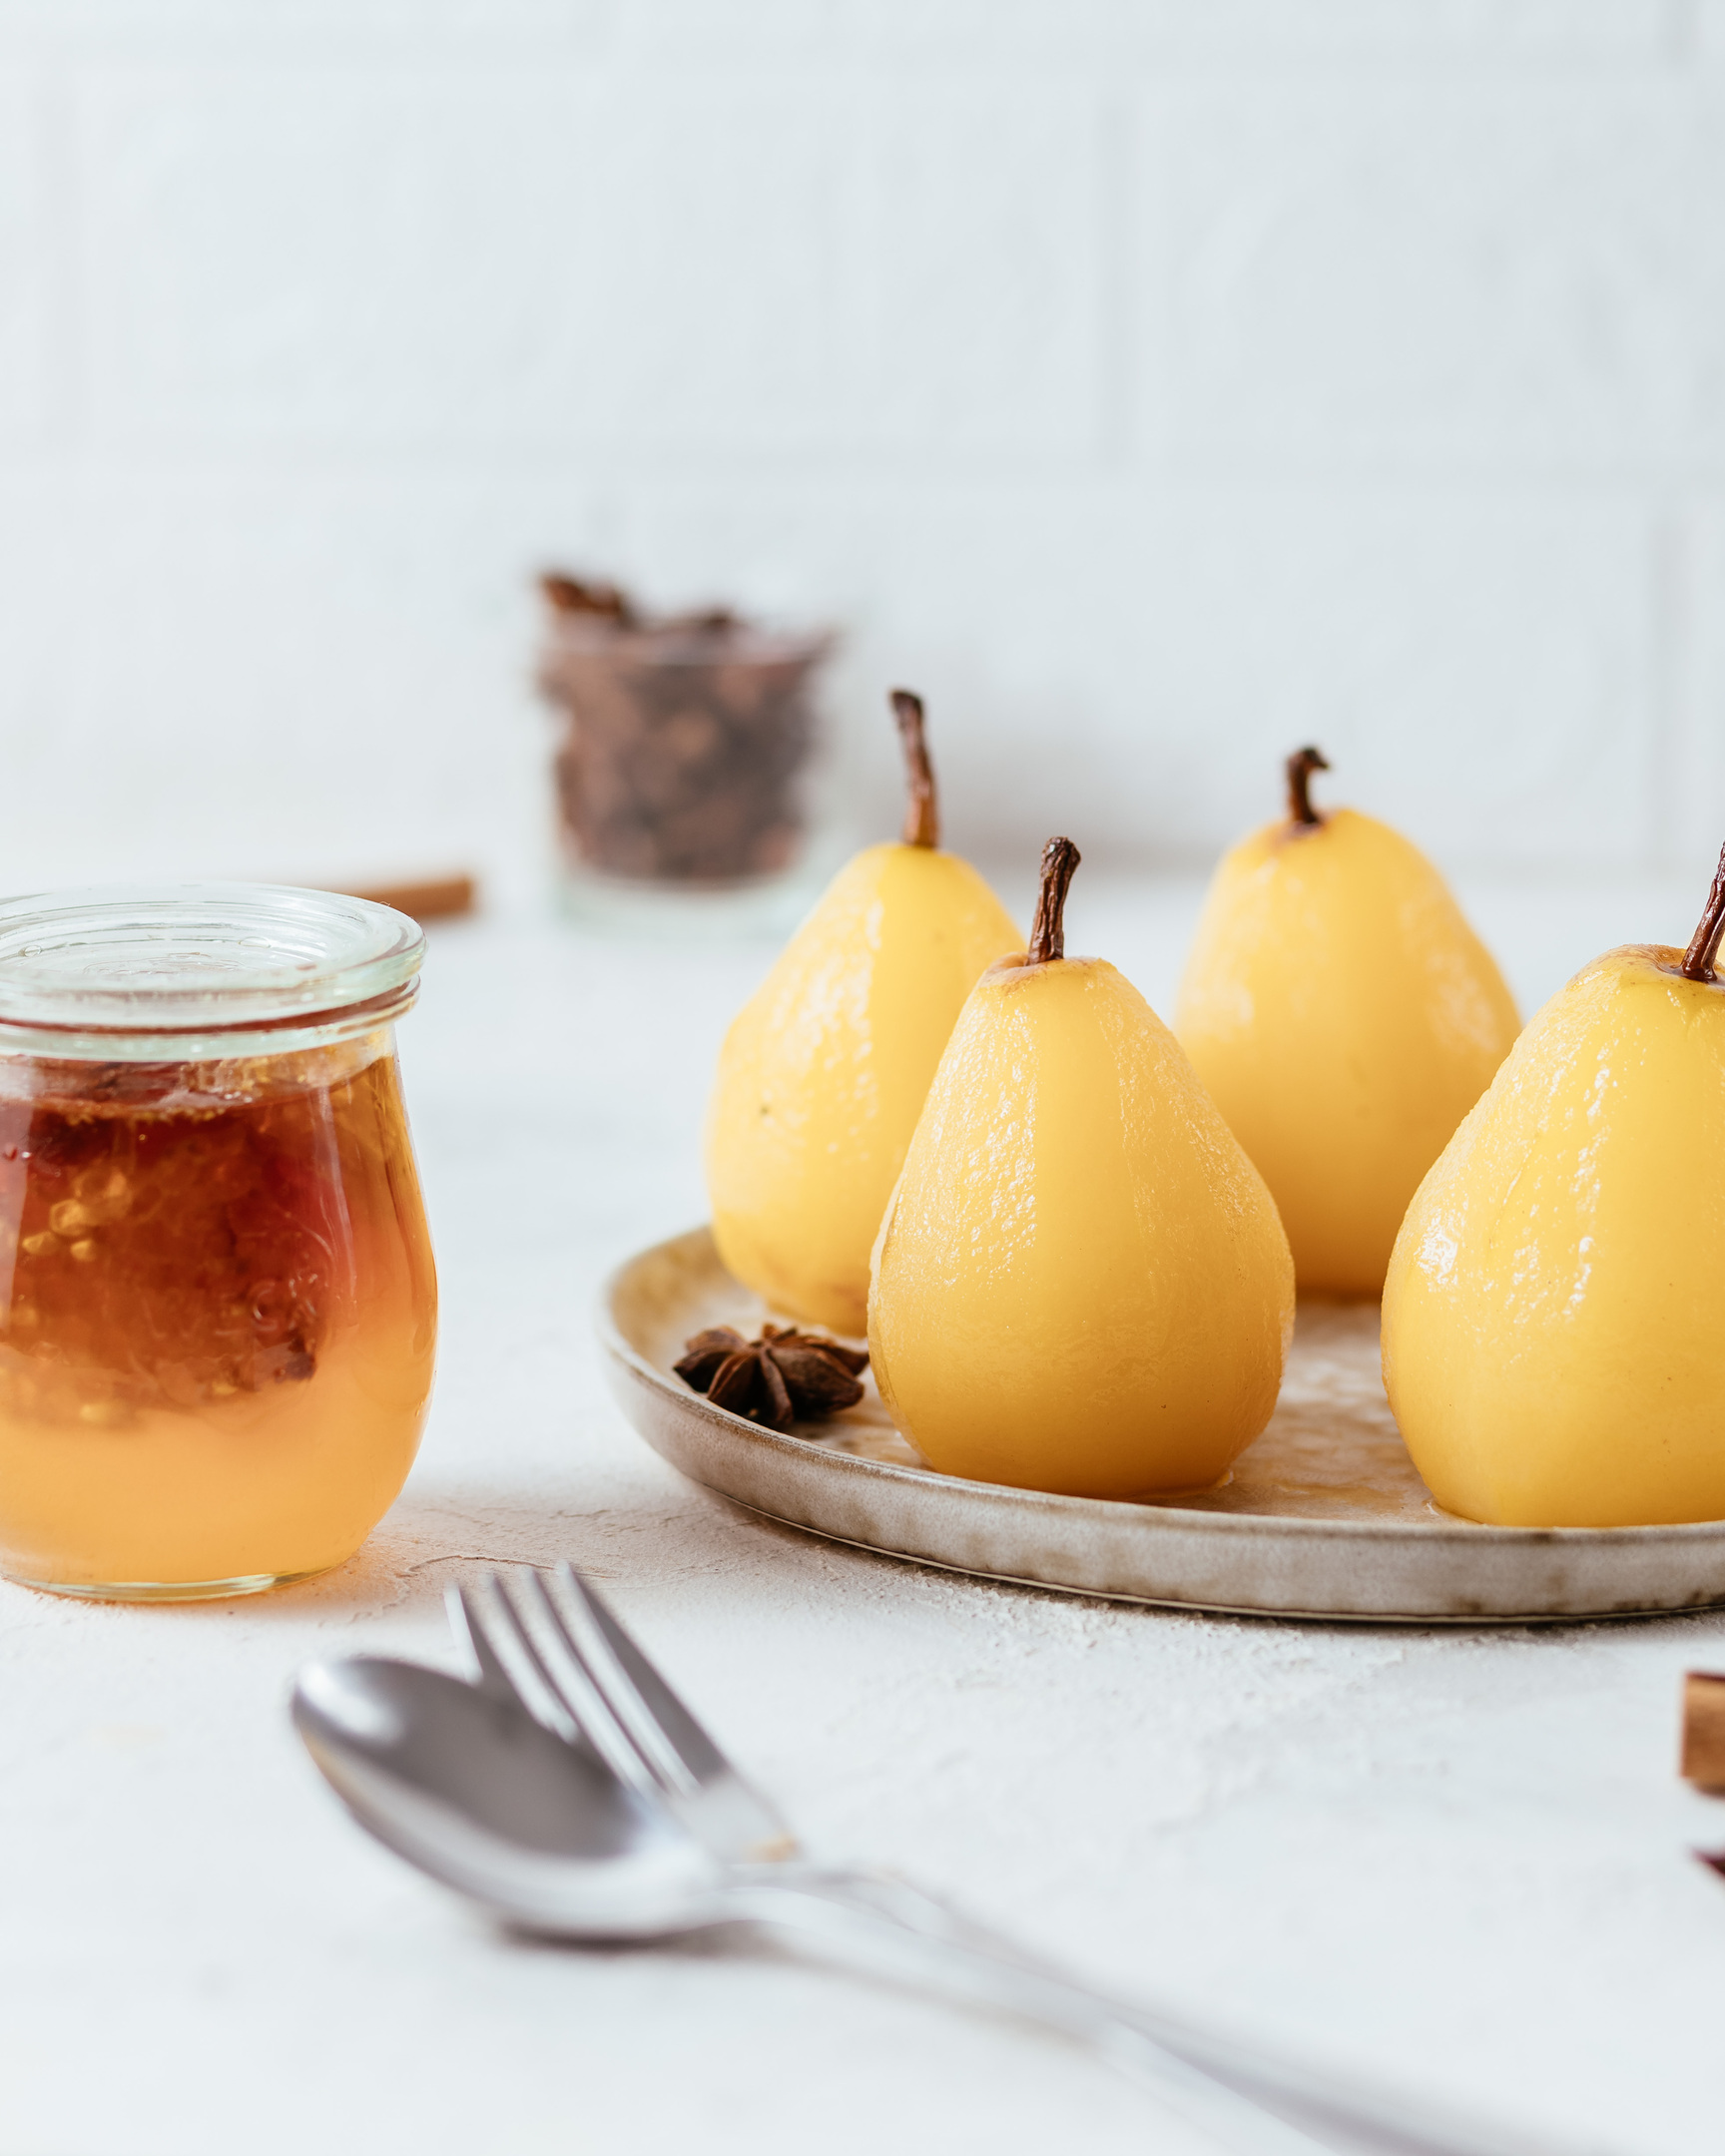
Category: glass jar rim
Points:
column 140, row 972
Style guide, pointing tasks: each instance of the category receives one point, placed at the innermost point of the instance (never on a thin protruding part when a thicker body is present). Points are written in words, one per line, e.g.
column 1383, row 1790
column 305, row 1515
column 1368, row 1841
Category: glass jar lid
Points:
column 138, row 972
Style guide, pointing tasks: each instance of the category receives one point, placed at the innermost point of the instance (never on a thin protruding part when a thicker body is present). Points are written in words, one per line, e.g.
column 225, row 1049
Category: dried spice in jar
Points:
column 687, row 741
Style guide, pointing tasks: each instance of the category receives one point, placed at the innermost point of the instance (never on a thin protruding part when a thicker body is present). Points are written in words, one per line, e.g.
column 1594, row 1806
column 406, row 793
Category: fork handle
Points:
column 1218, row 2085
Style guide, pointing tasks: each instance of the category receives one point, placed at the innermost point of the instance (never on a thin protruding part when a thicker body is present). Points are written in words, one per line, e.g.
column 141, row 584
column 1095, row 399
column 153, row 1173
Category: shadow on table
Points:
column 450, row 1533
column 435, row 1537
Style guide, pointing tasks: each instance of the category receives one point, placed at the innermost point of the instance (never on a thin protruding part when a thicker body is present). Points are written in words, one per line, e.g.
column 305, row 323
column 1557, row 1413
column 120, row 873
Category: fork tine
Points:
column 511, row 1651
column 599, row 1664
column 578, row 1687
column 635, row 1688
column 576, row 1710
column 472, row 1638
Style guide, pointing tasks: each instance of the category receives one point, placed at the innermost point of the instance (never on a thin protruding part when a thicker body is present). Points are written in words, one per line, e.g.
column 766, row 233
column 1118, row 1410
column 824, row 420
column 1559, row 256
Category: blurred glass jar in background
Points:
column 689, row 740
column 218, row 1304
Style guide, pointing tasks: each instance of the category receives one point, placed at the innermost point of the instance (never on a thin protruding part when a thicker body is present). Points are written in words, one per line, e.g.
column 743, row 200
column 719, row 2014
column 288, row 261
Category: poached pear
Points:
column 1550, row 1339
column 1344, row 1017
column 1081, row 1284
column 823, row 1074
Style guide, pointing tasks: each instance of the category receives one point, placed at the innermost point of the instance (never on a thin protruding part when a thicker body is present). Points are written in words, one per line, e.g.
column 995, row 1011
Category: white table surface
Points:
column 1460, row 1860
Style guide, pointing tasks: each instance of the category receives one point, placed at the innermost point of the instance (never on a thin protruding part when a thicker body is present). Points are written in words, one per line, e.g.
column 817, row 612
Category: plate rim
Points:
column 1119, row 1511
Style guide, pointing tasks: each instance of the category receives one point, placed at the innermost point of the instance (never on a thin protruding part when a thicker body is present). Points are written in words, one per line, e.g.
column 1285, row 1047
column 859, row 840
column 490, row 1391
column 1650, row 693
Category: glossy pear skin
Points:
column 1081, row 1284
column 823, row 1075
column 1550, row 1320
column 1344, row 1018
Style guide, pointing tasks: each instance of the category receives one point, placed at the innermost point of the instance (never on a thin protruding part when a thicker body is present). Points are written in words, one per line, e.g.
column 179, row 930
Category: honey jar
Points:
column 218, row 1302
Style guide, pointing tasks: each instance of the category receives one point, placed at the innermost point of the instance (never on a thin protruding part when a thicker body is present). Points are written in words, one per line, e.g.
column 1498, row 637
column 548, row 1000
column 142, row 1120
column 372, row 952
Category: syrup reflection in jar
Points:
column 218, row 1304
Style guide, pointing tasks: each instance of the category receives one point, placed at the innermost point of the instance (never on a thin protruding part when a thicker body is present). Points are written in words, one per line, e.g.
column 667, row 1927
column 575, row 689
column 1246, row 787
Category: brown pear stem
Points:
column 922, row 809
column 575, row 595
column 1704, row 943
column 1048, row 930
column 1300, row 766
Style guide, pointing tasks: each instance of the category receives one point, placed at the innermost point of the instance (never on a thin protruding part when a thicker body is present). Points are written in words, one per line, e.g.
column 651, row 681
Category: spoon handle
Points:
column 1218, row 2085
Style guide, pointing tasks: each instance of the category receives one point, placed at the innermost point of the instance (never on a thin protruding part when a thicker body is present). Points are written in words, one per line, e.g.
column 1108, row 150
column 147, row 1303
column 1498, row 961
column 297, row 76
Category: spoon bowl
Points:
column 473, row 1791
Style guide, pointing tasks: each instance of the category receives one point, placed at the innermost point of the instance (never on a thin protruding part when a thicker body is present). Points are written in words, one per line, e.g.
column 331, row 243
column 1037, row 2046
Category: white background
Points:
column 1154, row 382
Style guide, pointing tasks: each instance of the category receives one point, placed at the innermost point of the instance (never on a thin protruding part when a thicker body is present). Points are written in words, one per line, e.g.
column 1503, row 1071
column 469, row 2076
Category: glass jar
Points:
column 218, row 1304
column 684, row 770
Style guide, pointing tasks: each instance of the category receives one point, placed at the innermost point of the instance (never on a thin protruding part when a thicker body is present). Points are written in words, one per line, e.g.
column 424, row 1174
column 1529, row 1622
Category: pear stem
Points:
column 1048, row 930
column 922, row 809
column 1704, row 943
column 1300, row 766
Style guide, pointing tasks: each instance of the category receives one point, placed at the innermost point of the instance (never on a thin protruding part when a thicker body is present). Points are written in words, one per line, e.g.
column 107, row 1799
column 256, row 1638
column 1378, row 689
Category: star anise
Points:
column 782, row 1377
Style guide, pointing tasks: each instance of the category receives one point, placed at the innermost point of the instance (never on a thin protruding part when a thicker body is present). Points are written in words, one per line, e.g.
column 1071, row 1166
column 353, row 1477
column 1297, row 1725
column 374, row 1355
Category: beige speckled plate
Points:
column 1323, row 1516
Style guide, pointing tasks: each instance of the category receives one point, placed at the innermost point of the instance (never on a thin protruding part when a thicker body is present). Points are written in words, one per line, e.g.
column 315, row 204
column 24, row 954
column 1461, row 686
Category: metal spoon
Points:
column 537, row 1828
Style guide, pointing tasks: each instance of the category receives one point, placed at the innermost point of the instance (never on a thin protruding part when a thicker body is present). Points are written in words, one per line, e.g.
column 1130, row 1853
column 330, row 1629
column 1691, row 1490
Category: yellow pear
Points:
column 823, row 1075
column 1344, row 1018
column 1550, row 1320
column 1081, row 1284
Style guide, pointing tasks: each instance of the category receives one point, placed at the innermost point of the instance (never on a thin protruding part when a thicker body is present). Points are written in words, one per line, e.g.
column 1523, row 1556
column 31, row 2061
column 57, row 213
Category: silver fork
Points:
column 567, row 1660
column 589, row 1682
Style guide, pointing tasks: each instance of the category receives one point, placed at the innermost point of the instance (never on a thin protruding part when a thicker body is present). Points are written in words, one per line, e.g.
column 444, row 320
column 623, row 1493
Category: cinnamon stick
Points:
column 1703, row 1761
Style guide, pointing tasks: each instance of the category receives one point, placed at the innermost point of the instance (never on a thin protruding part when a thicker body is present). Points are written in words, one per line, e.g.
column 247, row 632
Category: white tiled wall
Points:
column 1154, row 382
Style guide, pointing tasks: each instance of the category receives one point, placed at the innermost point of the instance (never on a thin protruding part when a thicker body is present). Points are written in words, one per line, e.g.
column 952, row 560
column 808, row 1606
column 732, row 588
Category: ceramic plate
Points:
column 1323, row 1516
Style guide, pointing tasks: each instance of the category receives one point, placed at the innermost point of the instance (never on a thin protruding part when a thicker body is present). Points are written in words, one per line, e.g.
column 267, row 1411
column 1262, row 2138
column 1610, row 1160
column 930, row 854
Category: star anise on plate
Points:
column 783, row 1377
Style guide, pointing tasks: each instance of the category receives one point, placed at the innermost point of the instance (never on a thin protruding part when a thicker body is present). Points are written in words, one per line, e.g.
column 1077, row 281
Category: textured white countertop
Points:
column 1458, row 1860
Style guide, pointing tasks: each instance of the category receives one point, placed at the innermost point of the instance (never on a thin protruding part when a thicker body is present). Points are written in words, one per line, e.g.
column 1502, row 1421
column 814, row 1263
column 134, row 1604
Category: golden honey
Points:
column 216, row 1355
column 218, row 1304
